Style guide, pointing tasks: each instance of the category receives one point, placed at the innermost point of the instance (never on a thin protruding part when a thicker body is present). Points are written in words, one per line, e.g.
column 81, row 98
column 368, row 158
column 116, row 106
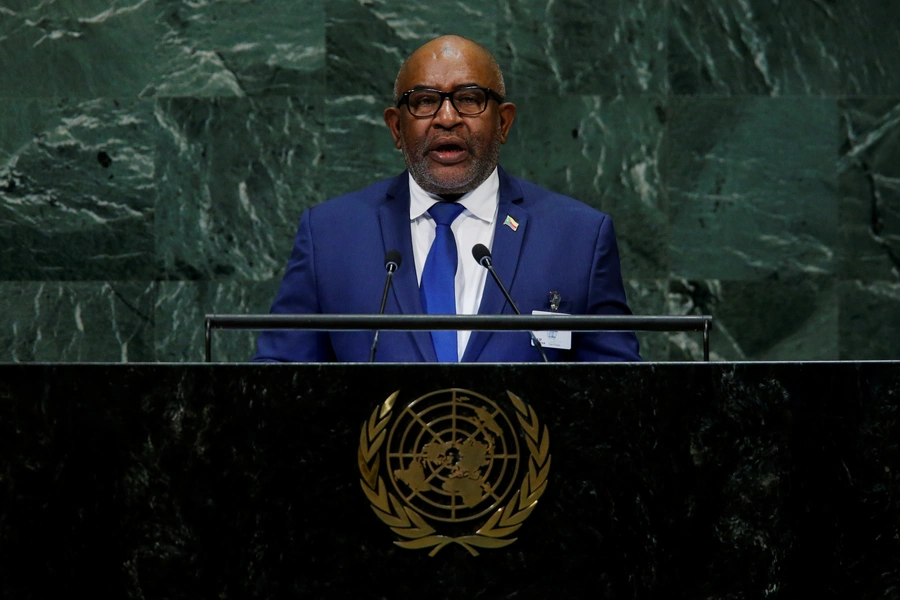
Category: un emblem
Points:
column 454, row 463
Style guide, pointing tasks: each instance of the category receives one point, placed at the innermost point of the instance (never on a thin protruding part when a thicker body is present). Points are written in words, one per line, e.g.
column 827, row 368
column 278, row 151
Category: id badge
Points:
column 561, row 340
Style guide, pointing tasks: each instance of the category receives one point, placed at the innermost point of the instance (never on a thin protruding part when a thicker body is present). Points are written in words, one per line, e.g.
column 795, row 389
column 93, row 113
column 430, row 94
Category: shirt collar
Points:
column 481, row 202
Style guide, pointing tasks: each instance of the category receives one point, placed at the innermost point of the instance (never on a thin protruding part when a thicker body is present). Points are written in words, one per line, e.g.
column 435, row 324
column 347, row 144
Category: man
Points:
column 553, row 253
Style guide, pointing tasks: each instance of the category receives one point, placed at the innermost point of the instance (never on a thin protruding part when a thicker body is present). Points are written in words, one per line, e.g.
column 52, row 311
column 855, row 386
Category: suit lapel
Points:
column 395, row 233
column 505, row 251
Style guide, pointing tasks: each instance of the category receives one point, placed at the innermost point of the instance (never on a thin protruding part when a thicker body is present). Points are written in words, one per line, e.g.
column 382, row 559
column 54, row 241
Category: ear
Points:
column 507, row 116
column 392, row 120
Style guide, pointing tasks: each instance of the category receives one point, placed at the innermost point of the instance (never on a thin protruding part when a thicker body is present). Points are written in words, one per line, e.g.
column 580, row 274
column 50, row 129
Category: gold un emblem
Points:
column 452, row 459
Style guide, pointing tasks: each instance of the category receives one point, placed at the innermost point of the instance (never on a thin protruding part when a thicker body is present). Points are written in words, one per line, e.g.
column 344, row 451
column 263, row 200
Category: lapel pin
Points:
column 511, row 223
column 555, row 299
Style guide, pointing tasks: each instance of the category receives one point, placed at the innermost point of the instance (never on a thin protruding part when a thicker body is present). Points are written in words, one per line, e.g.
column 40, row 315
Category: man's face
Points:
column 449, row 154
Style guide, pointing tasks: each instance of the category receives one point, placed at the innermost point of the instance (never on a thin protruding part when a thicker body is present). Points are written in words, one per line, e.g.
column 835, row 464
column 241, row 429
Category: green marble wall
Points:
column 155, row 156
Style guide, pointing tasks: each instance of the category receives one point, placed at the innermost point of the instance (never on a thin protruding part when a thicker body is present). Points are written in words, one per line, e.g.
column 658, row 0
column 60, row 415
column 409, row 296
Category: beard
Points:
column 483, row 158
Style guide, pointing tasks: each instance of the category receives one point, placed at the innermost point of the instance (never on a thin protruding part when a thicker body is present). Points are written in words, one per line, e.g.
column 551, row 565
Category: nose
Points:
column 447, row 115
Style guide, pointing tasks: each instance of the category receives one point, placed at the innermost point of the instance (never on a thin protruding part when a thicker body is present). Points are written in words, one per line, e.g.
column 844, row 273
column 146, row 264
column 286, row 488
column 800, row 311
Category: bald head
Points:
column 450, row 47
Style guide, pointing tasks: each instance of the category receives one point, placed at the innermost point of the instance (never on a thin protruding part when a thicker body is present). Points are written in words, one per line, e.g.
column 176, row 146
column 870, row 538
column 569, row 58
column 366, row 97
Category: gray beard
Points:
column 482, row 167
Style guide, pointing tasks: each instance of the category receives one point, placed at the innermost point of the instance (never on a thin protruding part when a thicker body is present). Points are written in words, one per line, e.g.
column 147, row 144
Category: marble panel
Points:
column 235, row 175
column 368, row 41
column 182, row 306
column 359, row 147
column 777, row 320
column 240, row 48
column 869, row 320
column 752, row 187
column 77, row 186
column 615, row 47
column 775, row 48
column 869, row 179
column 77, row 48
column 650, row 297
column 752, row 321
column 94, row 48
column 76, row 321
column 784, row 320
column 604, row 152
column 173, row 140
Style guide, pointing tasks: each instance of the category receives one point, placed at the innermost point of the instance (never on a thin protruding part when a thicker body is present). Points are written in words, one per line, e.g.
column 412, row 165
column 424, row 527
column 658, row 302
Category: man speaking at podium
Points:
column 553, row 253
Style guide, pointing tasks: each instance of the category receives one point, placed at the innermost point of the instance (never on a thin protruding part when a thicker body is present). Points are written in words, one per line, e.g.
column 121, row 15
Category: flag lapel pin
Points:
column 511, row 223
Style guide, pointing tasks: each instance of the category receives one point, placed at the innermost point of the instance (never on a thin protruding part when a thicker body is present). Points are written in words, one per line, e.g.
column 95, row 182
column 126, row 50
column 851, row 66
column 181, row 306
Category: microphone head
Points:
column 482, row 254
column 392, row 260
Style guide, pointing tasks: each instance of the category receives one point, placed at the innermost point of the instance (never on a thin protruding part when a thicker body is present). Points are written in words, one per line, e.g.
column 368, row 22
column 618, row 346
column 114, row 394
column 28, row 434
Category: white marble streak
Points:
column 114, row 11
column 860, row 144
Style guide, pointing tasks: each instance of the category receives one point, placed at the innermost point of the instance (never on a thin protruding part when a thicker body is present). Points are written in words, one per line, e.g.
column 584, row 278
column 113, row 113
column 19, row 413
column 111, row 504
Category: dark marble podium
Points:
column 722, row 480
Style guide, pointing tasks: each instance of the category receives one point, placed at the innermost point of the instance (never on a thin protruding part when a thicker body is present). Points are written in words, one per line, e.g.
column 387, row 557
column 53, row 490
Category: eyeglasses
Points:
column 468, row 101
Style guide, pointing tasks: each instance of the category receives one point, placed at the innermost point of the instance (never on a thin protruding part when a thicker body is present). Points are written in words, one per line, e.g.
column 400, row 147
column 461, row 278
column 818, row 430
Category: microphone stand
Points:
column 483, row 256
column 391, row 264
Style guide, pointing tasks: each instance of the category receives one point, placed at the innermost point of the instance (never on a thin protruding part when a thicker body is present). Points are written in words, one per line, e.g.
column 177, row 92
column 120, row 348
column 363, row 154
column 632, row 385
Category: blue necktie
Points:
column 438, row 288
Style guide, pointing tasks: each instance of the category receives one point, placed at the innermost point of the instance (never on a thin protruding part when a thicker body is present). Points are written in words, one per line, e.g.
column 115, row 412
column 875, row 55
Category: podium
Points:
column 688, row 480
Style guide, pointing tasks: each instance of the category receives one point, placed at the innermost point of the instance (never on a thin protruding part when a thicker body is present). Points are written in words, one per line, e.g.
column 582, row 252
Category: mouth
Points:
column 448, row 151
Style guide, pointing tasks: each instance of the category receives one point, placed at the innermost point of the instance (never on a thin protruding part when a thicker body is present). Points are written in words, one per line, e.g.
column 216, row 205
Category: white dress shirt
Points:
column 475, row 225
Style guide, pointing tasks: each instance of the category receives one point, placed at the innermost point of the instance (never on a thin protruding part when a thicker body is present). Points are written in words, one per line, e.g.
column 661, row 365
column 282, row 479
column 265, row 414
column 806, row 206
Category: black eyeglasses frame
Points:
column 489, row 93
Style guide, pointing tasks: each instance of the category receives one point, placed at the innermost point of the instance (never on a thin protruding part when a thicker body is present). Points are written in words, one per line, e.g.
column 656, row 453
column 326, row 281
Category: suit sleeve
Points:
column 298, row 294
column 606, row 296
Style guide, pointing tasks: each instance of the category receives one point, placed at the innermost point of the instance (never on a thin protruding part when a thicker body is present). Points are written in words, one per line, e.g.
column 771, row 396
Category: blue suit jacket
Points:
column 337, row 267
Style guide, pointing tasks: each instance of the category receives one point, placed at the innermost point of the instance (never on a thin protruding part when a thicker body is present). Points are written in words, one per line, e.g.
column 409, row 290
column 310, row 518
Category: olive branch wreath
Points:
column 407, row 523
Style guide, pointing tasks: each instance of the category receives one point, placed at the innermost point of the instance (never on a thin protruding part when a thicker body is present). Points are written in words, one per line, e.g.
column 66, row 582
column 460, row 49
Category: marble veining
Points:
column 871, row 182
column 77, row 321
column 746, row 151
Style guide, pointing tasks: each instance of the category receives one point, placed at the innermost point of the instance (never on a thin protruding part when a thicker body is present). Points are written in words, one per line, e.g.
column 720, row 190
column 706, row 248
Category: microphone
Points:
column 483, row 257
column 392, row 260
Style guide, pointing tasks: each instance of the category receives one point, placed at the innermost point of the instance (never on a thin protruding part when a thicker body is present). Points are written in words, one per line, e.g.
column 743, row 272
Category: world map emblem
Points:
column 449, row 468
